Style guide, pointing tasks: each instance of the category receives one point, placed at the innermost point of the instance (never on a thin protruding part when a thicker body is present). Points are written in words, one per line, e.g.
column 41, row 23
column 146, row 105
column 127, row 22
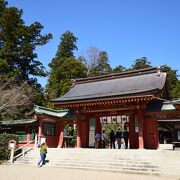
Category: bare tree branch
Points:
column 92, row 58
column 15, row 98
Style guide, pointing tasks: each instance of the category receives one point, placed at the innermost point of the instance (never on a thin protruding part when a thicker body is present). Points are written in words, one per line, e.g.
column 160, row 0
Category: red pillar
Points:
column 140, row 127
column 152, row 133
column 131, row 131
column 40, row 131
column 78, row 143
column 145, row 133
column 28, row 138
column 84, row 133
column 78, row 140
column 98, row 124
column 61, row 135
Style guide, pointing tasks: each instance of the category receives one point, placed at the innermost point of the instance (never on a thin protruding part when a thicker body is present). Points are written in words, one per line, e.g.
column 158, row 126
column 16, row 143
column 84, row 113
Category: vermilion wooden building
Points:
column 135, row 98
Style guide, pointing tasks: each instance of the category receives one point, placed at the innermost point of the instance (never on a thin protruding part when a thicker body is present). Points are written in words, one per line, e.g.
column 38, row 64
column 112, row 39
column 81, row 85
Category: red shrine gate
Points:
column 132, row 94
column 52, row 128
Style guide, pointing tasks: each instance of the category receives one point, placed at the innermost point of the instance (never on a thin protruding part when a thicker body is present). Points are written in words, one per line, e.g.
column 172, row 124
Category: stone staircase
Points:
column 147, row 162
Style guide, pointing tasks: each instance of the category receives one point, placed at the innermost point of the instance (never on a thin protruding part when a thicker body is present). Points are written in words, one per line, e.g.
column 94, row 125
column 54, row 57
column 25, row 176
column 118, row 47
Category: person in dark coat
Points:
column 118, row 137
column 112, row 139
column 126, row 137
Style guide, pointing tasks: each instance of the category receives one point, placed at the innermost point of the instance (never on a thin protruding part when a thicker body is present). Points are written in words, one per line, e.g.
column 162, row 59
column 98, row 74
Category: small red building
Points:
column 51, row 125
column 25, row 129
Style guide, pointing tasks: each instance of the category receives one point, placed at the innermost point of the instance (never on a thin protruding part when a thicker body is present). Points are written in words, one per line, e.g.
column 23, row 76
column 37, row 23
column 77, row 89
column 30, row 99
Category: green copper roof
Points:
column 17, row 122
column 167, row 107
column 52, row 112
column 158, row 106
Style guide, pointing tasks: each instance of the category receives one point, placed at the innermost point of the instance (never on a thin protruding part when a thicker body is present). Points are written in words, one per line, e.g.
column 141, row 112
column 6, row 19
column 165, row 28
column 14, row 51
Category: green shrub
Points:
column 72, row 142
column 4, row 140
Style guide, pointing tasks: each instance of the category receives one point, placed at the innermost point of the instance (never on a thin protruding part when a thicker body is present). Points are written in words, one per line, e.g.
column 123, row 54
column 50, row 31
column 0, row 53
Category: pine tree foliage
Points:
column 18, row 43
column 176, row 91
column 172, row 81
column 64, row 67
column 103, row 63
column 118, row 69
column 18, row 59
column 141, row 63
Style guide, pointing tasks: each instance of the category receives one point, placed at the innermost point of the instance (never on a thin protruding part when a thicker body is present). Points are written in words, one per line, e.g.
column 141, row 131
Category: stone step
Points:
column 110, row 154
column 127, row 170
column 86, row 160
column 117, row 159
column 154, row 162
column 110, row 168
column 81, row 162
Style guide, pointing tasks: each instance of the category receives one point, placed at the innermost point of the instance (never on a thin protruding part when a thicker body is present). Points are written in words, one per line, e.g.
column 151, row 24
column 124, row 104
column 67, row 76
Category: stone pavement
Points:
column 17, row 172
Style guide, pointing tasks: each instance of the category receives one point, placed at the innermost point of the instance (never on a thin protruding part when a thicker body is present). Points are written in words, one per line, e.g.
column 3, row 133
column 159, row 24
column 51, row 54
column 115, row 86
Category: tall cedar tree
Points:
column 18, row 43
column 64, row 67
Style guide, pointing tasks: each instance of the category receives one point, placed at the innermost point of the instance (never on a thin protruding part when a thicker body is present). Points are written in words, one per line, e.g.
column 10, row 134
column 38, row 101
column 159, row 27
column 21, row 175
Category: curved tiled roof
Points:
column 115, row 86
column 18, row 122
column 56, row 113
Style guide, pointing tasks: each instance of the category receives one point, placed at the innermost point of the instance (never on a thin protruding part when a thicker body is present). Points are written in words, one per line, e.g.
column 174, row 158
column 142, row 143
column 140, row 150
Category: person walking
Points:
column 43, row 152
column 112, row 139
column 97, row 138
column 118, row 137
column 126, row 137
column 104, row 139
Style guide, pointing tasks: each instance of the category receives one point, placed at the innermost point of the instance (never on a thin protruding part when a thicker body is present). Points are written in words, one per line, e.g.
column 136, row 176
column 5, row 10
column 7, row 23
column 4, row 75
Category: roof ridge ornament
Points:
column 119, row 75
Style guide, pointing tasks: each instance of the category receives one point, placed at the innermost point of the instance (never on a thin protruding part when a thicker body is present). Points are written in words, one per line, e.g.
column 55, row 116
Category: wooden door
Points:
column 152, row 134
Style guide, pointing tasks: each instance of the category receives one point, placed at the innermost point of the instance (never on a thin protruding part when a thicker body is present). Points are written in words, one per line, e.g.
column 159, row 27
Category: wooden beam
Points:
column 110, row 100
column 106, row 110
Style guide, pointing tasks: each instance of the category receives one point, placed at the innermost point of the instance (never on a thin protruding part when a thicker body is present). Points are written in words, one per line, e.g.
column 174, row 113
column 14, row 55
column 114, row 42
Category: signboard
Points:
column 136, row 124
column 12, row 144
column 178, row 133
column 91, row 138
column 121, row 120
column 92, row 127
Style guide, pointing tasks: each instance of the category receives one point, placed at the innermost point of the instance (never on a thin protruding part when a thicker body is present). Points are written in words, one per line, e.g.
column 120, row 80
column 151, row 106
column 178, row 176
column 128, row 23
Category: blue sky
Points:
column 125, row 29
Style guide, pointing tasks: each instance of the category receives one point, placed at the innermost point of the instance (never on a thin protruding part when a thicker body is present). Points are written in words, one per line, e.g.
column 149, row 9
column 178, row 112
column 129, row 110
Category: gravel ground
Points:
column 16, row 172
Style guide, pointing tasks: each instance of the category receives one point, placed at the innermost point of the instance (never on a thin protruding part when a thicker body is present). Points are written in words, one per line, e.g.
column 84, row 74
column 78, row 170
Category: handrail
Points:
column 24, row 145
column 24, row 149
